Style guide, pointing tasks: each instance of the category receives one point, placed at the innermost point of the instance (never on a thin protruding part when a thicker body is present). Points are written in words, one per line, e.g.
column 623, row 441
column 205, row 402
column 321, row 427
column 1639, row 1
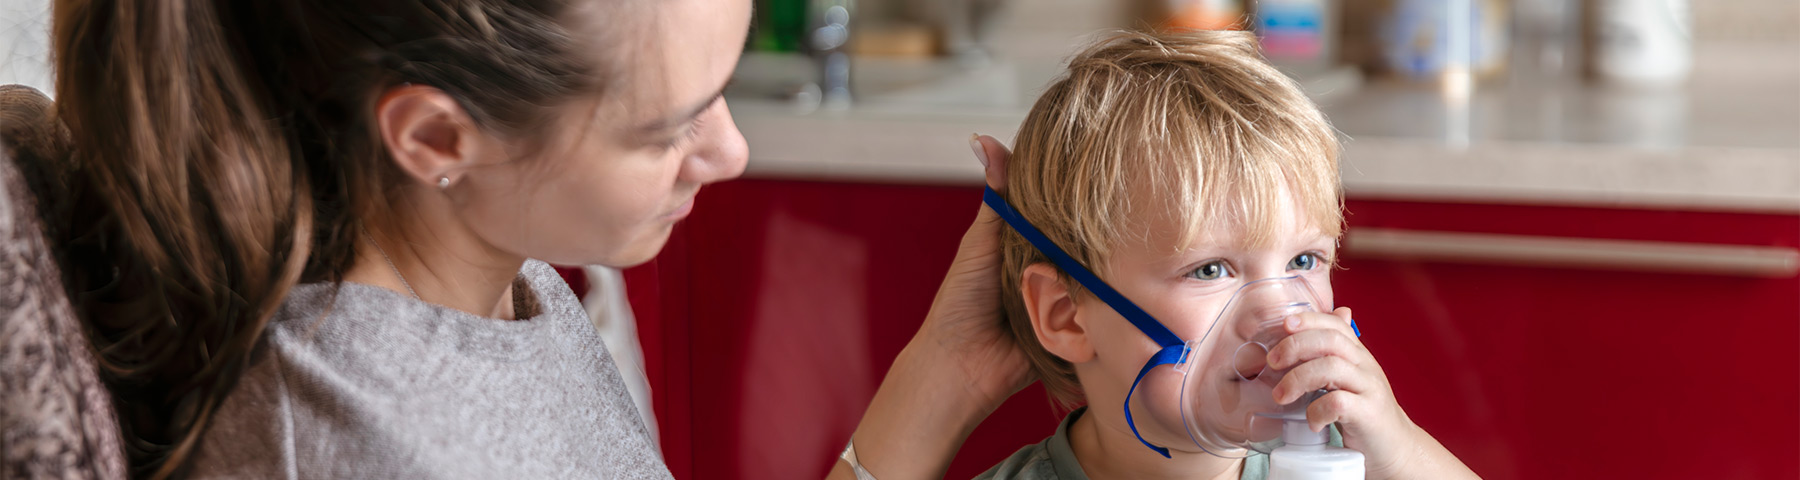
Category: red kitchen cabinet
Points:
column 772, row 315
column 1551, row 372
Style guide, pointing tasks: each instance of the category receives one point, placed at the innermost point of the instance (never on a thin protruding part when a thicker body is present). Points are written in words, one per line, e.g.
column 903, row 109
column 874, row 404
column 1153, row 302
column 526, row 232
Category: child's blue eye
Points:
column 1305, row 261
column 1212, row 270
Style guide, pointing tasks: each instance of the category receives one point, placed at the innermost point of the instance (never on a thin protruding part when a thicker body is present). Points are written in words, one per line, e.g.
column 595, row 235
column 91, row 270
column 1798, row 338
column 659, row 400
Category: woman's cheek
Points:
column 632, row 208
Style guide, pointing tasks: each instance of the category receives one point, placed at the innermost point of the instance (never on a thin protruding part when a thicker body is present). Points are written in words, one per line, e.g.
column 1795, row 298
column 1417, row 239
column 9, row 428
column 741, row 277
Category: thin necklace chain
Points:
column 390, row 262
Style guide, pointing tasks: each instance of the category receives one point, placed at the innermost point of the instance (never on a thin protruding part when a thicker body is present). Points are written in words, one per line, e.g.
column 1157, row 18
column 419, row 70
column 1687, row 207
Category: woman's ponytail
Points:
column 225, row 150
column 190, row 211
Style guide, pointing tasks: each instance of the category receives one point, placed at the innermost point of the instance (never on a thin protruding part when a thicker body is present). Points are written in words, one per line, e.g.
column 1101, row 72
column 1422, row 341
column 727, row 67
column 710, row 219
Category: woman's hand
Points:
column 959, row 367
column 1324, row 353
column 964, row 328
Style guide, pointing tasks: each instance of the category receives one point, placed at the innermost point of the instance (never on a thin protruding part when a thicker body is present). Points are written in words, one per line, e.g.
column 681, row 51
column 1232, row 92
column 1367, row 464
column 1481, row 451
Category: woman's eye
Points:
column 684, row 137
column 1305, row 261
column 680, row 140
column 1213, row 270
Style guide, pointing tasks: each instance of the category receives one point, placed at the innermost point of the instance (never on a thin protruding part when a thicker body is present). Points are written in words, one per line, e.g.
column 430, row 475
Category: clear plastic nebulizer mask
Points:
column 1214, row 393
column 1218, row 395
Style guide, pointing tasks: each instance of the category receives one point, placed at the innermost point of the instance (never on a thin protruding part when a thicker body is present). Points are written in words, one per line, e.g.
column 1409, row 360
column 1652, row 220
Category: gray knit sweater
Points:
column 373, row 384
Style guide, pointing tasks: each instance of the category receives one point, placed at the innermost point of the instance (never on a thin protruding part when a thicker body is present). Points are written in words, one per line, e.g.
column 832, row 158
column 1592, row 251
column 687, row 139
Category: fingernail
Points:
column 1355, row 330
column 980, row 153
column 1293, row 323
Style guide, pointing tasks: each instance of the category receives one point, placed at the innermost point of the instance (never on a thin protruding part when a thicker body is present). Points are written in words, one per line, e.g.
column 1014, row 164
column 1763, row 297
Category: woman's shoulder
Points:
column 365, row 318
column 345, row 365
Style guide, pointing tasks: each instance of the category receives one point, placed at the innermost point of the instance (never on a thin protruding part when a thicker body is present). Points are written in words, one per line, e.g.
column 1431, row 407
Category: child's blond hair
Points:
column 1197, row 118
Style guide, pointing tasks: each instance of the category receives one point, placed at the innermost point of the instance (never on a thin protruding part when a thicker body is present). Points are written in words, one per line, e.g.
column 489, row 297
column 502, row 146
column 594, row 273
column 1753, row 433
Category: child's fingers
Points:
column 1332, row 408
column 1329, row 373
column 1337, row 320
column 1344, row 313
column 1311, row 344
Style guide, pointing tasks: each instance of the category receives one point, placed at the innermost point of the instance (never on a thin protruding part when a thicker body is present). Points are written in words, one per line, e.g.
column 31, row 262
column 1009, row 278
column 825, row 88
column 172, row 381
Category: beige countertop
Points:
column 1729, row 140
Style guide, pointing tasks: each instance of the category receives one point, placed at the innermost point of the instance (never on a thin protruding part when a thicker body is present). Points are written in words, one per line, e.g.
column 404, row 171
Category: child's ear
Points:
column 1052, row 313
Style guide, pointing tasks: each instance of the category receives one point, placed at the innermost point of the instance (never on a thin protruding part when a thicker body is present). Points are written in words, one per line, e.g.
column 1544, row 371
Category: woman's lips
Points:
column 681, row 211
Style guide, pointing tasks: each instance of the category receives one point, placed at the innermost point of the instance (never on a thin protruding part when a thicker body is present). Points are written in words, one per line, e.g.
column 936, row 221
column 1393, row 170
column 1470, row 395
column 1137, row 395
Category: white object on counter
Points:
column 1423, row 39
column 1643, row 42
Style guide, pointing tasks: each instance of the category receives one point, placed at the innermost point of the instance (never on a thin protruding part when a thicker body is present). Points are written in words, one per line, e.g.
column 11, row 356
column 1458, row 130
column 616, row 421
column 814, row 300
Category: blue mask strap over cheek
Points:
column 1172, row 346
column 1166, row 356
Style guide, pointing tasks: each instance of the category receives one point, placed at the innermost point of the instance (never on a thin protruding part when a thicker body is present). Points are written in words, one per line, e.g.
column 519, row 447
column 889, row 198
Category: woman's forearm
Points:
column 916, row 421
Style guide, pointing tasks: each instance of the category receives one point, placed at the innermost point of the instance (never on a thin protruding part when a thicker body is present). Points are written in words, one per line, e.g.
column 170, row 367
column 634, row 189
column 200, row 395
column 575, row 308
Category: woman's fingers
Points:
column 979, row 254
column 980, row 250
column 993, row 156
column 963, row 327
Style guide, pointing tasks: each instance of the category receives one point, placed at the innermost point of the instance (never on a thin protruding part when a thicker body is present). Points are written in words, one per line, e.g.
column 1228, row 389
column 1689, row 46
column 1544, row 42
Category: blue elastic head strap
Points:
column 1172, row 346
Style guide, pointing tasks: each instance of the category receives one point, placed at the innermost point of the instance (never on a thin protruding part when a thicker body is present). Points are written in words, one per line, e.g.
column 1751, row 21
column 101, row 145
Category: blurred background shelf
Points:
column 1727, row 140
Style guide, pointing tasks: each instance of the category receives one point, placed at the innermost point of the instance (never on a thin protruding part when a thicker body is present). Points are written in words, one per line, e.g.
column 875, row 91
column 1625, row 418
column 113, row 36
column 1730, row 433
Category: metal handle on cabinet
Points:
column 1632, row 255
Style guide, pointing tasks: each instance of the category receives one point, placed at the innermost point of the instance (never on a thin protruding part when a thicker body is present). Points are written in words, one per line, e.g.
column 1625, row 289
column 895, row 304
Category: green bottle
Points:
column 780, row 26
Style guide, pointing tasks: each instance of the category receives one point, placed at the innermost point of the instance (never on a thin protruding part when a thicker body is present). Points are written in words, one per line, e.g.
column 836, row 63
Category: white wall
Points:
column 25, row 43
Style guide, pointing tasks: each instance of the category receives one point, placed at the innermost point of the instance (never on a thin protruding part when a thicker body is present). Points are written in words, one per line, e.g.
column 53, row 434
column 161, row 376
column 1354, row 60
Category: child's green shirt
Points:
column 1054, row 459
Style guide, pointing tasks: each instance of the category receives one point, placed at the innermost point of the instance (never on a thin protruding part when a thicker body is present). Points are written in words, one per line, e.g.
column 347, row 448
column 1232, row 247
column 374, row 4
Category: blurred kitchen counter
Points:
column 1728, row 141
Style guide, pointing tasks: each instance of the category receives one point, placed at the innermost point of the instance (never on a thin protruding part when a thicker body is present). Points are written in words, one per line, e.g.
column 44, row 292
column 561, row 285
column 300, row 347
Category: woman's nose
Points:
column 722, row 154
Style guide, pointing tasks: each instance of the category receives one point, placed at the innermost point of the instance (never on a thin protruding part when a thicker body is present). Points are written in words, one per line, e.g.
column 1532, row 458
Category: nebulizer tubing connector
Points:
column 1308, row 455
column 1235, row 385
column 1296, row 431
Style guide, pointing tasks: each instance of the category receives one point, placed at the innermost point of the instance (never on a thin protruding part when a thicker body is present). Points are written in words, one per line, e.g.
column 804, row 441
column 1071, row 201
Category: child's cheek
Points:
column 1322, row 286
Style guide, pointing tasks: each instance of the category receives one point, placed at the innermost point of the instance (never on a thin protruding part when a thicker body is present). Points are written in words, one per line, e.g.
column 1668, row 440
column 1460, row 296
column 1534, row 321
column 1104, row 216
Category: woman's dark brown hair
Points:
column 224, row 151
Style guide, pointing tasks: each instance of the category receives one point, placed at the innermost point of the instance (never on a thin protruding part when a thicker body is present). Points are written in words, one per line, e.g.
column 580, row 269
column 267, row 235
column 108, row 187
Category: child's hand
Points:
column 1324, row 353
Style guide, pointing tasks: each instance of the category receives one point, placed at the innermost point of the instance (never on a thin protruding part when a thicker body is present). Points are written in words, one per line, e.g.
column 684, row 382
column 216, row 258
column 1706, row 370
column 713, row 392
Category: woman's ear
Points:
column 1052, row 312
column 428, row 134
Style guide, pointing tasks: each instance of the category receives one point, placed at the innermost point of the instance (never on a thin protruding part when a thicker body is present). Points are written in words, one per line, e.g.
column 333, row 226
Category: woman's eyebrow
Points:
column 685, row 115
